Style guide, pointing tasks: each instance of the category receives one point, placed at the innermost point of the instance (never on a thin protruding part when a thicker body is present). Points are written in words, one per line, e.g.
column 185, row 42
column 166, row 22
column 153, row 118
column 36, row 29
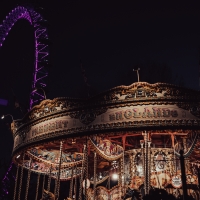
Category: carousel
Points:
column 120, row 144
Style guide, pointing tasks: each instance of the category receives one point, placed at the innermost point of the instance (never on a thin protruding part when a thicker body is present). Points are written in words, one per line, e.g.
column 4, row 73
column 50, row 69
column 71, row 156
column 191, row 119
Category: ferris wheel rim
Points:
column 41, row 46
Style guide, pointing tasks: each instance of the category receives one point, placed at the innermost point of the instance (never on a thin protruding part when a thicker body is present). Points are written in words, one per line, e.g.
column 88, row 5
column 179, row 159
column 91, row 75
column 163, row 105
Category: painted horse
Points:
column 48, row 195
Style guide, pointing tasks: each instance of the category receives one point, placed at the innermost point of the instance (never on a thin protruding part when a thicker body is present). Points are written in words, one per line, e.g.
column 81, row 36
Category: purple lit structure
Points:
column 3, row 102
column 6, row 181
column 41, row 46
column 41, row 61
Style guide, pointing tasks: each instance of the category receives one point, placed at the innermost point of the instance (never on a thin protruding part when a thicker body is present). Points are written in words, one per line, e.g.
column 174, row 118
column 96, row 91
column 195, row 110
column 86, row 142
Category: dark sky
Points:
column 110, row 37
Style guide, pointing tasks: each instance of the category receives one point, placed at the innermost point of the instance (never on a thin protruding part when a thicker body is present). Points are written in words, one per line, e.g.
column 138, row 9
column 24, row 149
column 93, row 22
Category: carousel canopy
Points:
column 140, row 106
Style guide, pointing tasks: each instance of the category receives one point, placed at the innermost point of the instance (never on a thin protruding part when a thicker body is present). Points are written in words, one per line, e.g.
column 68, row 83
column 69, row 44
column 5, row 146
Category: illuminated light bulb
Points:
column 46, row 109
column 115, row 176
column 73, row 141
column 100, row 176
column 3, row 116
column 18, row 156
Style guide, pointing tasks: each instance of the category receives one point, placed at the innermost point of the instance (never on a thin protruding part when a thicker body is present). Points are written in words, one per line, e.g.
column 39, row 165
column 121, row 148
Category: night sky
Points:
column 111, row 38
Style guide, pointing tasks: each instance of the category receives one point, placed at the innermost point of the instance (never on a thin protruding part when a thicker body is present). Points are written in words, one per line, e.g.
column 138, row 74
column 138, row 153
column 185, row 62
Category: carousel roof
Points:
column 121, row 114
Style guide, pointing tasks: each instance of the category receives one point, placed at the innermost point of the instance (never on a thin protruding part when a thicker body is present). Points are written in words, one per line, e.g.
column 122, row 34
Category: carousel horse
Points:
column 48, row 195
column 132, row 194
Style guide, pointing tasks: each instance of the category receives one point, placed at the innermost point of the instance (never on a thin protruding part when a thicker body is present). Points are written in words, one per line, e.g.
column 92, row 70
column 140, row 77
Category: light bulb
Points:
column 18, row 156
column 115, row 176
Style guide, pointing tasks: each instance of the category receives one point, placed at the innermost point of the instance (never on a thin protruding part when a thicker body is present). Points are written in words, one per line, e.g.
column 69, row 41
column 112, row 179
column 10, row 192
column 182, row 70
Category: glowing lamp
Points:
column 115, row 177
column 3, row 116
column 100, row 176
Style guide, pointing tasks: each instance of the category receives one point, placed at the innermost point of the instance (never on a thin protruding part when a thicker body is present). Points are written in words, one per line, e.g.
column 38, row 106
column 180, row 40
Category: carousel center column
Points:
column 146, row 154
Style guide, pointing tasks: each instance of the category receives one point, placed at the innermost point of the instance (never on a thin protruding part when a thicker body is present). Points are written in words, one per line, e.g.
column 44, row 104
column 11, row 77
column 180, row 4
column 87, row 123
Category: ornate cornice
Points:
column 138, row 106
column 137, row 93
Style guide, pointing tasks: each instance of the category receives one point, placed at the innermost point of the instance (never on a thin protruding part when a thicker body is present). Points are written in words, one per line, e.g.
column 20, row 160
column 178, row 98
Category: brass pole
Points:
column 71, row 184
column 16, row 179
column 49, row 179
column 58, row 178
column 95, row 173
column 21, row 177
column 37, row 187
column 27, row 184
column 43, row 186
column 183, row 175
column 82, row 175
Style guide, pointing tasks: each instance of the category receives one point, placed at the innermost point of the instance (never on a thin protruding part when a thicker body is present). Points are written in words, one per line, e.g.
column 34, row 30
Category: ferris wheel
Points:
column 41, row 60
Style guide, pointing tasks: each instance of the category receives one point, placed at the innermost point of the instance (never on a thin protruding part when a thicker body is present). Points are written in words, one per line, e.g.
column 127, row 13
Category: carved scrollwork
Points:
column 137, row 91
column 112, row 96
column 87, row 116
column 140, row 105
column 143, row 89
column 193, row 108
column 50, row 106
column 75, row 115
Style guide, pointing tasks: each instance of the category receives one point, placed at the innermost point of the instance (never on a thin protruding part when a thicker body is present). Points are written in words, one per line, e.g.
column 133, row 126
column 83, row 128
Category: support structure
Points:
column 37, row 186
column 27, row 184
column 86, row 169
column 75, row 185
column 97, row 139
column 71, row 184
column 95, row 173
column 183, row 175
column 147, row 161
column 21, row 179
column 58, row 177
column 16, row 179
column 198, row 173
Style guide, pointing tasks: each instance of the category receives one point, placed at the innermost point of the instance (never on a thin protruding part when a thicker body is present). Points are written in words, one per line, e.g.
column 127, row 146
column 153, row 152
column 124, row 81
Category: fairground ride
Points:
column 120, row 143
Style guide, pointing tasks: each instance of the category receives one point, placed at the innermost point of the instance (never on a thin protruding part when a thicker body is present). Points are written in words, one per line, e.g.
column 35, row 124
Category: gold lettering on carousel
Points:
column 65, row 124
column 157, row 112
column 46, row 127
column 51, row 126
column 41, row 129
column 128, row 114
column 136, row 113
column 58, row 124
column 35, row 131
column 174, row 113
column 119, row 115
column 147, row 112
column 112, row 117
column 166, row 112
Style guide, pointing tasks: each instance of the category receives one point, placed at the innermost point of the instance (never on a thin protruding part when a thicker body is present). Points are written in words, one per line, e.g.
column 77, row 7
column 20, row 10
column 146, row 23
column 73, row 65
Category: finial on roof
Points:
column 138, row 76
